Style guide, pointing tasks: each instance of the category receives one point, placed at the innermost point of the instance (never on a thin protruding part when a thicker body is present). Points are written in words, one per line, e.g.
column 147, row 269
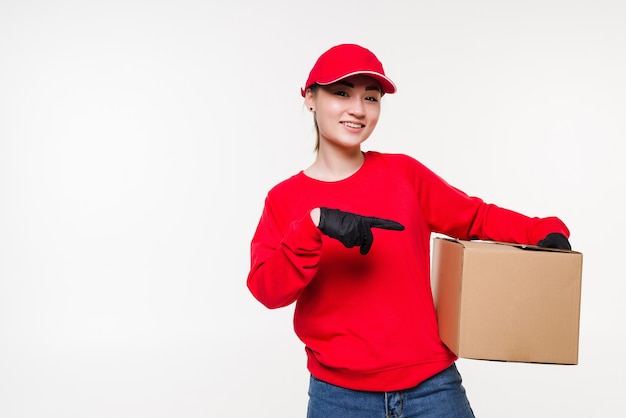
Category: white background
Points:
column 138, row 140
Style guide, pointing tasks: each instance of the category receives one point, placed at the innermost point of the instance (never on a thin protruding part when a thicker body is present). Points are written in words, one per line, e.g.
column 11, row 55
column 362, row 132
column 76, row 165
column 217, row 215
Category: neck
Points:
column 334, row 166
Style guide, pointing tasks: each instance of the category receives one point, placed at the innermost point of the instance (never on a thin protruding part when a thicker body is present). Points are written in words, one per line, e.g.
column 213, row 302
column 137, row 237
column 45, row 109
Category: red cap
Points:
column 346, row 60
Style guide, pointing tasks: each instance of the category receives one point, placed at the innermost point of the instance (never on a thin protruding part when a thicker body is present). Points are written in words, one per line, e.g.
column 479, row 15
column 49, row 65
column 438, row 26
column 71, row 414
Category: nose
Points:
column 357, row 108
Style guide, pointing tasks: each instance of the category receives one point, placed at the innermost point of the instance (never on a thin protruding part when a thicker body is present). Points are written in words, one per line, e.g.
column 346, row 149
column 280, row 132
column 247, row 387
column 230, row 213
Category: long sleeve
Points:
column 284, row 257
column 454, row 213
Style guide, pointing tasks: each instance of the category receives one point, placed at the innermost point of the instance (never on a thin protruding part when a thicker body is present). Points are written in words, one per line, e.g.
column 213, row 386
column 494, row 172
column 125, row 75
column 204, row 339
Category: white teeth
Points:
column 352, row 125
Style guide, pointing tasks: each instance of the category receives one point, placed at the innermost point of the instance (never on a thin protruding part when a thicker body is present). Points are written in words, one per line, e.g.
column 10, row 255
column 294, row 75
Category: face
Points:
column 346, row 112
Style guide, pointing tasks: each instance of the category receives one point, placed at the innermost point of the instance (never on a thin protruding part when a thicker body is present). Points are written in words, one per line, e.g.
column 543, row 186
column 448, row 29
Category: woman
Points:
column 348, row 240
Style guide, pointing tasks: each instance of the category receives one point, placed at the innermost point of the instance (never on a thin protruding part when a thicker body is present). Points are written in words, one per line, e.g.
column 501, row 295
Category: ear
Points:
column 309, row 100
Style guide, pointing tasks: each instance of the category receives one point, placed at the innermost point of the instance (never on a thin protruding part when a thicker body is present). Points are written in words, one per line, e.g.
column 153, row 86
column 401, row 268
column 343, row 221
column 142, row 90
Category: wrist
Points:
column 315, row 216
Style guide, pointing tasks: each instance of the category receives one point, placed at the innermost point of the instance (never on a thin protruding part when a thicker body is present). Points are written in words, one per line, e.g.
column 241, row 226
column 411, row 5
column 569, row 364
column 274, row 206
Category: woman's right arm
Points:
column 284, row 257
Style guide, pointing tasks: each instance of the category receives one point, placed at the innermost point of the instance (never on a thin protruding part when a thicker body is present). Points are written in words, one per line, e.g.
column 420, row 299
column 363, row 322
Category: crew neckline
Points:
column 343, row 180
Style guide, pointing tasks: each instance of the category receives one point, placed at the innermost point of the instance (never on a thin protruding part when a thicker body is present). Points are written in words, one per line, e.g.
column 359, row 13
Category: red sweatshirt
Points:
column 368, row 322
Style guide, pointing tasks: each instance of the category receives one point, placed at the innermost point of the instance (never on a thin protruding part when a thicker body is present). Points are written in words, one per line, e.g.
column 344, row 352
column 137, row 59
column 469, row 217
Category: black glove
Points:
column 555, row 240
column 352, row 229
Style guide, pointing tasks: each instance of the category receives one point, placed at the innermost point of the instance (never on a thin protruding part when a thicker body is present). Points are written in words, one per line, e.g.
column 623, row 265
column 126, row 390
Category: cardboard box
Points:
column 508, row 302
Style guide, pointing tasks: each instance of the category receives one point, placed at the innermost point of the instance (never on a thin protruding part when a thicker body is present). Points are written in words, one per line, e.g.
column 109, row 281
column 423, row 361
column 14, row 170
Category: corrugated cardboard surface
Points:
column 499, row 301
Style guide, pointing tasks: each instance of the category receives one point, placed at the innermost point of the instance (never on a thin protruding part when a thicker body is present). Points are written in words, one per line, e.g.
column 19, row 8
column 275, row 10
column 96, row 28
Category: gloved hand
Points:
column 555, row 240
column 352, row 229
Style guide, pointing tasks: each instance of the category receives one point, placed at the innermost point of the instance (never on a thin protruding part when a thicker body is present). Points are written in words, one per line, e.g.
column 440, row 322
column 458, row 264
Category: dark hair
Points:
column 314, row 89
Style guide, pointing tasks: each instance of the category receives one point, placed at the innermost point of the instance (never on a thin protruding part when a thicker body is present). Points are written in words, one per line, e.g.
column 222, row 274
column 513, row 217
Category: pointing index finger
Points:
column 386, row 224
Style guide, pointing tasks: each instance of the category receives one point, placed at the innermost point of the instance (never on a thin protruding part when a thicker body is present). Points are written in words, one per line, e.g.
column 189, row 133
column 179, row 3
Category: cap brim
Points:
column 386, row 84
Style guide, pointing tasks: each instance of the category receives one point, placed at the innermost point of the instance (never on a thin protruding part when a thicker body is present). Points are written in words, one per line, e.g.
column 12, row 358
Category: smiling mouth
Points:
column 353, row 125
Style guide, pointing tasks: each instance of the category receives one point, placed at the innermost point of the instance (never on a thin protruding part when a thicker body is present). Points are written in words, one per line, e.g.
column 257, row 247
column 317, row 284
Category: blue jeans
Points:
column 440, row 396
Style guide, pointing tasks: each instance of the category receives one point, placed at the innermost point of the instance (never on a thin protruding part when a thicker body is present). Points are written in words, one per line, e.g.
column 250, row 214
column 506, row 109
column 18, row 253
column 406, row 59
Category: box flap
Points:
column 479, row 244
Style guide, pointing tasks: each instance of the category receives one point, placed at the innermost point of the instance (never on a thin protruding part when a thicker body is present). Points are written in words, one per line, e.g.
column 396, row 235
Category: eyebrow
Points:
column 371, row 87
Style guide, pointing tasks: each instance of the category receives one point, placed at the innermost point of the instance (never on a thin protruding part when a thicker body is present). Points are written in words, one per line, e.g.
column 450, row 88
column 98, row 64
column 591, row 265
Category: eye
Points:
column 341, row 93
column 372, row 98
